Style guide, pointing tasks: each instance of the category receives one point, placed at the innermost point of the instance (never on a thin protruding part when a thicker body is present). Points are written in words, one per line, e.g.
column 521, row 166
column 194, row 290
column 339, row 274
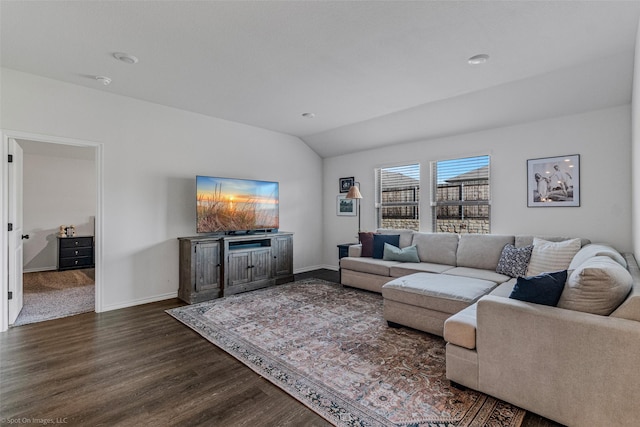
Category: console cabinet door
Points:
column 261, row 264
column 283, row 256
column 207, row 266
column 239, row 271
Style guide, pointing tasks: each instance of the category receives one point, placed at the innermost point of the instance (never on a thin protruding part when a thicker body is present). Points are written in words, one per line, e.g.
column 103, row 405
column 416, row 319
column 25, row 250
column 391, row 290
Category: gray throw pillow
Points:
column 514, row 261
column 408, row 254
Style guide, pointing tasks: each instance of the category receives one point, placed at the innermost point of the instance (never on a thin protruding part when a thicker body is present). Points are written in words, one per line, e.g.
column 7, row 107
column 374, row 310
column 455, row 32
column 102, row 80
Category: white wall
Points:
column 635, row 159
column 152, row 154
column 56, row 191
column 602, row 138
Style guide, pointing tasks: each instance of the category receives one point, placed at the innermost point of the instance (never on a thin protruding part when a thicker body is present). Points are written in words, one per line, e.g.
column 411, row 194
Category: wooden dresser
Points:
column 75, row 252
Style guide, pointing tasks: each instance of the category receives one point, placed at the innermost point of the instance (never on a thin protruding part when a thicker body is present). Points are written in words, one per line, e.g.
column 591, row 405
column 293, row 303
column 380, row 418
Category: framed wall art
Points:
column 553, row 181
column 346, row 207
column 346, row 184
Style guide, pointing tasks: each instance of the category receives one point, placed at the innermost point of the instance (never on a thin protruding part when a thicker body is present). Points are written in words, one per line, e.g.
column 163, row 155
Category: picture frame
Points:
column 346, row 207
column 553, row 181
column 345, row 184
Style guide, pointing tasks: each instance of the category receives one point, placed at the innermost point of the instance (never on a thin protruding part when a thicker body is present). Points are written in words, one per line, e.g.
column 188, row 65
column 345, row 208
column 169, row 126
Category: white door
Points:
column 15, row 236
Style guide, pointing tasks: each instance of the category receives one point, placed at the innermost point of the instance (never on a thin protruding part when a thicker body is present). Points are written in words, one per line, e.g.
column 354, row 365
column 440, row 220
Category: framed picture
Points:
column 553, row 181
column 346, row 184
column 346, row 207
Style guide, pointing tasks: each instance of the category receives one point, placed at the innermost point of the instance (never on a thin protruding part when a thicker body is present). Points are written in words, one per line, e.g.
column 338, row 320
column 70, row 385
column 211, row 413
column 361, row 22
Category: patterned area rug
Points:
column 330, row 348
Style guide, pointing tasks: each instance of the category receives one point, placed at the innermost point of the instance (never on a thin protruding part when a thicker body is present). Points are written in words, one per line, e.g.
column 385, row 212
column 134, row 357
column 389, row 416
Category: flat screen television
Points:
column 231, row 205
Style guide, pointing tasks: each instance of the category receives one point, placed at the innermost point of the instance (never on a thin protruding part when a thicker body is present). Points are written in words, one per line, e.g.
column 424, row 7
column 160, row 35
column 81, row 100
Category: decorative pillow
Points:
column 366, row 239
column 598, row 286
column 408, row 254
column 544, row 289
column 514, row 261
column 380, row 239
column 551, row 256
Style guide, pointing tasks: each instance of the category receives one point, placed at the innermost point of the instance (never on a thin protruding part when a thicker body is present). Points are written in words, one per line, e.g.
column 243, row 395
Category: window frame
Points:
column 380, row 205
column 461, row 202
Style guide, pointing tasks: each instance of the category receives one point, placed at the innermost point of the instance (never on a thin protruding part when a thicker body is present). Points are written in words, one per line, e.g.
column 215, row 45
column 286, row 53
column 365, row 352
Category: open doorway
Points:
column 58, row 192
column 62, row 166
column 59, row 209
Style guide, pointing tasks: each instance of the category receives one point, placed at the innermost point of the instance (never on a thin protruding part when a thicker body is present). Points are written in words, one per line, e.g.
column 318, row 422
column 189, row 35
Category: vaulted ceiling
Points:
column 372, row 73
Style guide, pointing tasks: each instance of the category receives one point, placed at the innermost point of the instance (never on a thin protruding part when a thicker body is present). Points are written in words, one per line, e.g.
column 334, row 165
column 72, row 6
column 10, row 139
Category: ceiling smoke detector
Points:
column 126, row 58
column 478, row 59
column 104, row 80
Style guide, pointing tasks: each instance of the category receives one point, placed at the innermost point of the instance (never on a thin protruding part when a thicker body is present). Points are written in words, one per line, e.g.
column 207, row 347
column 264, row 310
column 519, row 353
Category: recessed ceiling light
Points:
column 104, row 80
column 308, row 115
column 478, row 59
column 126, row 58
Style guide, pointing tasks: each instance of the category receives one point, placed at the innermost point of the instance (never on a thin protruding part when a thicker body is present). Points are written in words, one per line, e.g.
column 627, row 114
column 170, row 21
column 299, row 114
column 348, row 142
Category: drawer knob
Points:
column 76, row 243
column 76, row 262
column 76, row 252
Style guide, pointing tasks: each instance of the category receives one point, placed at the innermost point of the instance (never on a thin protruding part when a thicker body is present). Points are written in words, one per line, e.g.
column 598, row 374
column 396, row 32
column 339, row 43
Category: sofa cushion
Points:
column 514, row 261
column 630, row 308
column 598, row 286
column 596, row 249
column 406, row 268
column 379, row 241
column 437, row 248
column 478, row 273
column 367, row 265
column 504, row 289
column 550, row 256
column 366, row 240
column 481, row 250
column 448, row 294
column 406, row 235
column 543, row 289
column 393, row 253
column 460, row 329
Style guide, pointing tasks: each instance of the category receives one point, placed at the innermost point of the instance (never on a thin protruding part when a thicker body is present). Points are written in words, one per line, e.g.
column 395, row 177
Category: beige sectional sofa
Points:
column 570, row 365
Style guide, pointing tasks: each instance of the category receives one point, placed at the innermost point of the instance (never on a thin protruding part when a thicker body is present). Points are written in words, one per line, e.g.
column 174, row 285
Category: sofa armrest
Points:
column 573, row 367
column 355, row 250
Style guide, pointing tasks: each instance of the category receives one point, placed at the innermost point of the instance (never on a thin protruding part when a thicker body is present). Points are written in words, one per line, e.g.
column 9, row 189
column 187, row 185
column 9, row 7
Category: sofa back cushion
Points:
column 481, row 250
column 596, row 249
column 406, row 235
column 630, row 308
column 437, row 248
column 598, row 286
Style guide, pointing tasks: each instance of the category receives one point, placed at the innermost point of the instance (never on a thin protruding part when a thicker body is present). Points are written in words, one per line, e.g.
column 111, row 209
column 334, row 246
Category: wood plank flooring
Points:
column 139, row 366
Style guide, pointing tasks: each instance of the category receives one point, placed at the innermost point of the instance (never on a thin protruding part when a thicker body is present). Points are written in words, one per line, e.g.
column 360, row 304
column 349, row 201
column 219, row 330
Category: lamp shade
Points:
column 353, row 193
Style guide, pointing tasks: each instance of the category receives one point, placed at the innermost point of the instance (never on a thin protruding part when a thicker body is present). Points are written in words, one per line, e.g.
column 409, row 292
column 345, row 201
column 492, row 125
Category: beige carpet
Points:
column 54, row 294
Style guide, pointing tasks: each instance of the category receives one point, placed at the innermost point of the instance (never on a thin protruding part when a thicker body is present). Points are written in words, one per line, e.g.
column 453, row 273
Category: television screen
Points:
column 230, row 204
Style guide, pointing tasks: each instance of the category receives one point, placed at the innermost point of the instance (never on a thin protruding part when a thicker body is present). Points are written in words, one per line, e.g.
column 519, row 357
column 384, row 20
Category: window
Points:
column 398, row 197
column 461, row 198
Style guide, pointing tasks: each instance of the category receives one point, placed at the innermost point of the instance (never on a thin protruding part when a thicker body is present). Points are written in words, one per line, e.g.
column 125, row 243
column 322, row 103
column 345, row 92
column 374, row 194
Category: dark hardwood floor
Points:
column 139, row 366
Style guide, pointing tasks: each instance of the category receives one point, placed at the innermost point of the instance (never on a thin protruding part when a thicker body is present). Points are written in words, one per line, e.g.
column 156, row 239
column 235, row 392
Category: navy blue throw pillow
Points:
column 544, row 289
column 380, row 239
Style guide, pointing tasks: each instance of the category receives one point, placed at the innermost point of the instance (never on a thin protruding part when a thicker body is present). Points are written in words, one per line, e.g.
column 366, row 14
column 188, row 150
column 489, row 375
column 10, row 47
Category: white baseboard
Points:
column 39, row 269
column 315, row 267
column 141, row 301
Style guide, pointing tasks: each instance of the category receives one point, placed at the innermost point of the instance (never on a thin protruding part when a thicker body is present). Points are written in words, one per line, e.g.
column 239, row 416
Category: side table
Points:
column 343, row 249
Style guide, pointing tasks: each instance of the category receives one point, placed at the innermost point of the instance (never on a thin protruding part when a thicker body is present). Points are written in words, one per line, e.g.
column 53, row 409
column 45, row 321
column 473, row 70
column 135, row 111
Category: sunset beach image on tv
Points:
column 230, row 204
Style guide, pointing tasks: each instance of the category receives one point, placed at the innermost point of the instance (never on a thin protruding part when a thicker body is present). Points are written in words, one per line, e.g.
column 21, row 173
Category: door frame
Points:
column 4, row 214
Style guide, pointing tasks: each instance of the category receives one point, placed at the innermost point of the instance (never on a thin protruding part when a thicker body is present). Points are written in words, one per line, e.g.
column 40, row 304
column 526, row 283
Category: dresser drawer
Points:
column 76, row 252
column 76, row 242
column 75, row 262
